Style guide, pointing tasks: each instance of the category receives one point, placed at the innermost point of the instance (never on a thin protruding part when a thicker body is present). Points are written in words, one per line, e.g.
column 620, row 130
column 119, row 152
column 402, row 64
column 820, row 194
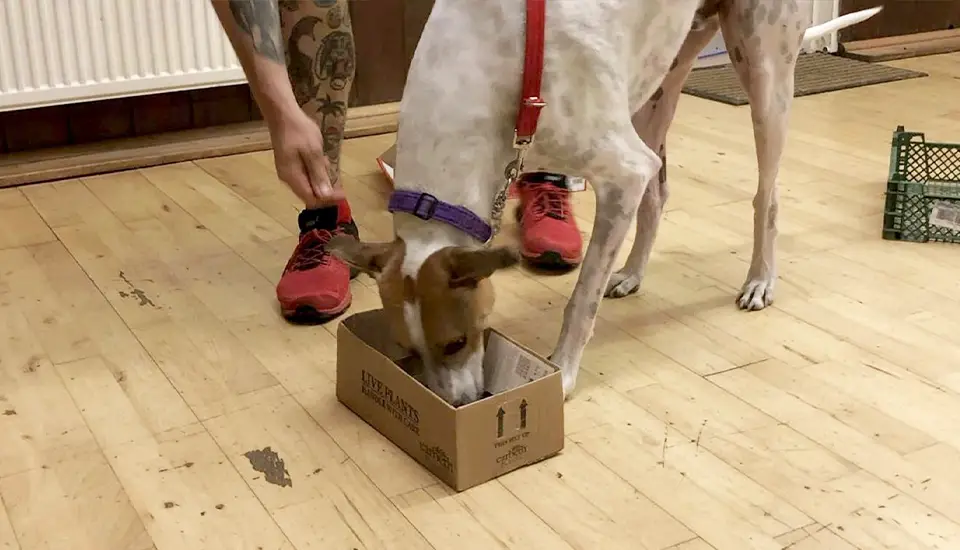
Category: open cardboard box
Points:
column 388, row 159
column 519, row 424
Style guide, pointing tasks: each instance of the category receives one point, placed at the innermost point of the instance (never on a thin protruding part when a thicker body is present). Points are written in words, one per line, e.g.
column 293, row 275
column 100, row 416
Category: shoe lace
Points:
column 312, row 250
column 551, row 201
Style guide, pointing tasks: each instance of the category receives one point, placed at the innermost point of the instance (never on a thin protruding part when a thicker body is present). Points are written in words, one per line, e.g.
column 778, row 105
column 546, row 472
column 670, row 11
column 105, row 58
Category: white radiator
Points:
column 64, row 51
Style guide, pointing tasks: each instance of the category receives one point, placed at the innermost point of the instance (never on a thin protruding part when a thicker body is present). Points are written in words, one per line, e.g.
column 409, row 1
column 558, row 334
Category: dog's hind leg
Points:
column 620, row 173
column 652, row 123
column 763, row 41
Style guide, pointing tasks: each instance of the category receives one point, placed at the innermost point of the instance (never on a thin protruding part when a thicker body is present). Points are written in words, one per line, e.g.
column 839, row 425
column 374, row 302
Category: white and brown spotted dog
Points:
column 612, row 75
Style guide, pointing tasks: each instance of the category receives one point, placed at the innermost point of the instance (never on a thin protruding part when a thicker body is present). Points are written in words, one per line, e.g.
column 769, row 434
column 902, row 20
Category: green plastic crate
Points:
column 923, row 190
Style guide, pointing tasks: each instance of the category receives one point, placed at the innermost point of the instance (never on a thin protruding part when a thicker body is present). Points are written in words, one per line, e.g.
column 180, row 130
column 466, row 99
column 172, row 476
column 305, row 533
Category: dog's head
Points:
column 437, row 308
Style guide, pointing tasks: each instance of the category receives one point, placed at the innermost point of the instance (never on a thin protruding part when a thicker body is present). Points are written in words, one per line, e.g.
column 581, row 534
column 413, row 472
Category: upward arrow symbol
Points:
column 523, row 414
column 500, row 414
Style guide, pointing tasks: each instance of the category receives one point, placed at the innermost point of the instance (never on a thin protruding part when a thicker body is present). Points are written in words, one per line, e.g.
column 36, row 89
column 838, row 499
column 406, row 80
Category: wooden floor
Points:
column 142, row 357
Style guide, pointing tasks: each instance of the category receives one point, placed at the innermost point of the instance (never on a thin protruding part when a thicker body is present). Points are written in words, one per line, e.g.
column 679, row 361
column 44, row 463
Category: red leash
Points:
column 528, row 113
column 531, row 103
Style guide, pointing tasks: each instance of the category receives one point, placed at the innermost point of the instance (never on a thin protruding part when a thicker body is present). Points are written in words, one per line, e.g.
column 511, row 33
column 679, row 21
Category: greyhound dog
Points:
column 612, row 71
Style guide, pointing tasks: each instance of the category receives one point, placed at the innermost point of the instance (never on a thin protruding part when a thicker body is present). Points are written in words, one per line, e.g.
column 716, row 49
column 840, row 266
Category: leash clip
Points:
column 522, row 143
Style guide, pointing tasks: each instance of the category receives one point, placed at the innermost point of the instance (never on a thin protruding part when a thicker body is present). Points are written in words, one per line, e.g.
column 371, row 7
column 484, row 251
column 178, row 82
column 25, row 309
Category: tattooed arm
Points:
column 253, row 27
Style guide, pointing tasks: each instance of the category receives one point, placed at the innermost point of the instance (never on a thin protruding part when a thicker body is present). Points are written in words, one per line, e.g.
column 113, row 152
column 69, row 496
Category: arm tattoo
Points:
column 260, row 19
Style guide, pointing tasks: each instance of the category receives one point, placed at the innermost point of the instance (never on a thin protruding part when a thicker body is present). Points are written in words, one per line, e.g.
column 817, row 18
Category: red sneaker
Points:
column 315, row 285
column 550, row 237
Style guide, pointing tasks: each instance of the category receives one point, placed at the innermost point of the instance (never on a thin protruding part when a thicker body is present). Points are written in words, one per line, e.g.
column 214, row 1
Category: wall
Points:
column 901, row 17
column 62, row 89
column 386, row 33
column 56, row 52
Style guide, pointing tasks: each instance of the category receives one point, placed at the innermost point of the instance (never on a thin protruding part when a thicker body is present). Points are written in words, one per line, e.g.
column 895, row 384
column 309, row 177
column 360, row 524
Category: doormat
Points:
column 816, row 73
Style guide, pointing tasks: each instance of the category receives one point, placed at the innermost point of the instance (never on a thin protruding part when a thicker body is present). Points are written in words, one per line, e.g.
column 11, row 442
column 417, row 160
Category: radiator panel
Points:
column 64, row 51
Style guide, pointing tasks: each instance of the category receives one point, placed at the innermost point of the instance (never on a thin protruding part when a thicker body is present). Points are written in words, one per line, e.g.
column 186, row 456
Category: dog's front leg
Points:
column 619, row 181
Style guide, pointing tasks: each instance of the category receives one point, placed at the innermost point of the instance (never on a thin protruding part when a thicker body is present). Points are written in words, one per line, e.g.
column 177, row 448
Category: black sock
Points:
column 318, row 218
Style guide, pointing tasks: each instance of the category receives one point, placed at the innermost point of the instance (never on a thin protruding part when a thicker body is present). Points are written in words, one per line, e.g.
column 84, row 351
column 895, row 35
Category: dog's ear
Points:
column 371, row 258
column 468, row 267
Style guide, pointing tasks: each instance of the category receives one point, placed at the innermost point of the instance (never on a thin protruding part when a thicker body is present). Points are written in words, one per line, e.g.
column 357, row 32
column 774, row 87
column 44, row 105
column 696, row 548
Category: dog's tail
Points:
column 841, row 22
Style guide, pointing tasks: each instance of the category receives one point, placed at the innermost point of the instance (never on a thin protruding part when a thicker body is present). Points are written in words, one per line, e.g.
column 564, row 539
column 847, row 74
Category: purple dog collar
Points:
column 426, row 207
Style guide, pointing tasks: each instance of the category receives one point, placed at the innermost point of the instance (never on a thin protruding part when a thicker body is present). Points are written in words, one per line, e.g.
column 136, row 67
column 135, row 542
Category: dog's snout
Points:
column 464, row 397
column 469, row 396
column 457, row 387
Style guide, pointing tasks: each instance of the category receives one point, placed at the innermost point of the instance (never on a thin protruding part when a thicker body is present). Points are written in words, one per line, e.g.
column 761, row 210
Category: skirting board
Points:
column 142, row 152
column 902, row 47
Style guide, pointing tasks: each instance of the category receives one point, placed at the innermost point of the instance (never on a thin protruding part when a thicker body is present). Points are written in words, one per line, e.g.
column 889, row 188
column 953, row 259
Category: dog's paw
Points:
column 756, row 294
column 569, row 384
column 568, row 380
column 622, row 284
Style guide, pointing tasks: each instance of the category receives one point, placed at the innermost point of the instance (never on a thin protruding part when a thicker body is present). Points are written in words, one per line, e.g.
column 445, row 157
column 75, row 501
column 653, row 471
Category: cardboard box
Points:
column 519, row 424
column 388, row 159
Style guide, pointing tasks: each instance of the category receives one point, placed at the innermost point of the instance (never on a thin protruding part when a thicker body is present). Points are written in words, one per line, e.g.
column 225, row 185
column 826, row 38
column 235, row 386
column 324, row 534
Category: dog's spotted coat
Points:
column 613, row 72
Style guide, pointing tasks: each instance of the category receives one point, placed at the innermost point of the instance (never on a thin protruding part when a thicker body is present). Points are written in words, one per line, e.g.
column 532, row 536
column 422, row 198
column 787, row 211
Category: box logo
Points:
column 437, row 455
column 381, row 394
column 515, row 453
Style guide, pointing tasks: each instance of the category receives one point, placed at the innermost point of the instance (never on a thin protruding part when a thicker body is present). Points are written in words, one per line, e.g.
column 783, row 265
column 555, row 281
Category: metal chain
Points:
column 511, row 174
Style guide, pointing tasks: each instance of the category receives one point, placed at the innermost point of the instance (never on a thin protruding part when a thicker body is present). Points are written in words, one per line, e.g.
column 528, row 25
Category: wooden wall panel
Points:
column 900, row 17
column 100, row 120
column 36, row 128
column 220, row 105
column 415, row 17
column 378, row 36
column 158, row 113
column 386, row 33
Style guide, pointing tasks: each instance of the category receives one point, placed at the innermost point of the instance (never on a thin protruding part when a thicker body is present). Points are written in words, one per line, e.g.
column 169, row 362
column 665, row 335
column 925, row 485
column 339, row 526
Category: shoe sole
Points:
column 306, row 315
column 550, row 260
column 303, row 314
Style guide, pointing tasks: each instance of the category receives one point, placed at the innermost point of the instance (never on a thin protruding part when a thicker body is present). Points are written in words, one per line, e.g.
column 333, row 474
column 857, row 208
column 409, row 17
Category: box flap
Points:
column 373, row 328
column 507, row 365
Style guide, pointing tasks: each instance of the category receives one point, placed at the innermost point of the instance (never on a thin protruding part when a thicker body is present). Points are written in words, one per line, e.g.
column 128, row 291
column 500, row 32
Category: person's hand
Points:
column 300, row 161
